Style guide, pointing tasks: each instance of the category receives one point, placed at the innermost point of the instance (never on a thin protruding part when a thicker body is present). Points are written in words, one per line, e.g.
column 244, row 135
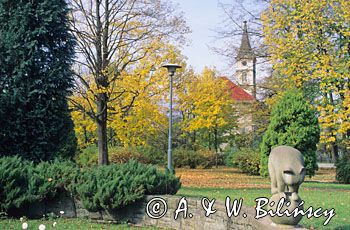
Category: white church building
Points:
column 243, row 91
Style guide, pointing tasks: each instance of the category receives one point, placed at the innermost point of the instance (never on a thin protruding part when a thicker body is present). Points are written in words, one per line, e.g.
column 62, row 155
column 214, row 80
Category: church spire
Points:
column 245, row 50
column 245, row 64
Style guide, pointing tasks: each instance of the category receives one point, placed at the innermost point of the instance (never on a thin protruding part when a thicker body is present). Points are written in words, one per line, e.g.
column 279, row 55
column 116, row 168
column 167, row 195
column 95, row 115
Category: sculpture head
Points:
column 294, row 176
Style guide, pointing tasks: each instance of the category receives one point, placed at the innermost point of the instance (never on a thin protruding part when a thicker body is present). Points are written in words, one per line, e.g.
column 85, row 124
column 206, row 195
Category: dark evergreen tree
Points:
column 36, row 53
column 292, row 123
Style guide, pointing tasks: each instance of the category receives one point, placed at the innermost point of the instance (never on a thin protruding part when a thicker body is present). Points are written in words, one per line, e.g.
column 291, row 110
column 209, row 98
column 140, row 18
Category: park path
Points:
column 326, row 165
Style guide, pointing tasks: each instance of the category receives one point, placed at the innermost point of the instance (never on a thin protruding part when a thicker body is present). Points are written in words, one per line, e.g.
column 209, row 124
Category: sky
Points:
column 202, row 16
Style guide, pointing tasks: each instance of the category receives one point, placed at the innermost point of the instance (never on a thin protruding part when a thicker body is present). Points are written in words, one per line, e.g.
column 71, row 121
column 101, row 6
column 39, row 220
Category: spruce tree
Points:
column 292, row 122
column 36, row 53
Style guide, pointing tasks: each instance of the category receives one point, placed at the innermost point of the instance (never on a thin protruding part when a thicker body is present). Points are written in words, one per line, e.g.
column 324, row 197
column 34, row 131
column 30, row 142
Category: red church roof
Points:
column 237, row 93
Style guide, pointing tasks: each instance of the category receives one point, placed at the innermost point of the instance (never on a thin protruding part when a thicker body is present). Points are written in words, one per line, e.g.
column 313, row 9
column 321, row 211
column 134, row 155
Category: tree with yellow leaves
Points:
column 309, row 46
column 111, row 37
column 207, row 109
column 135, row 108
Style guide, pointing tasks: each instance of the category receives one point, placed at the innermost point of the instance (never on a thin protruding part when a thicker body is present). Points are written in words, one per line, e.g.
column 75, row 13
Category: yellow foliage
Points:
column 135, row 96
column 205, row 102
column 308, row 42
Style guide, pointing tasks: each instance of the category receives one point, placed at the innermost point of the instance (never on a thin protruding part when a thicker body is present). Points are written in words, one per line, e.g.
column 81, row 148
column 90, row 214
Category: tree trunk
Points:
column 194, row 141
column 334, row 151
column 111, row 138
column 216, row 146
column 334, row 146
column 102, row 82
column 209, row 140
column 102, row 129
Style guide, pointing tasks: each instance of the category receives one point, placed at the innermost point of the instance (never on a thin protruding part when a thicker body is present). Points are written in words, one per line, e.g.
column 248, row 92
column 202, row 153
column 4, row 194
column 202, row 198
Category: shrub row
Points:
column 145, row 155
column 99, row 187
column 202, row 158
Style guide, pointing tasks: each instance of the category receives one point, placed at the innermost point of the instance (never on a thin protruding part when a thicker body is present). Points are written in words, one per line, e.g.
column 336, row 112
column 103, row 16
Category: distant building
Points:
column 246, row 65
column 244, row 92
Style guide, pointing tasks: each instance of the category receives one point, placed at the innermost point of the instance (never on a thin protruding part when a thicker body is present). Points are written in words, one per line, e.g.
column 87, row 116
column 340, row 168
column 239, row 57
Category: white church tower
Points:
column 245, row 65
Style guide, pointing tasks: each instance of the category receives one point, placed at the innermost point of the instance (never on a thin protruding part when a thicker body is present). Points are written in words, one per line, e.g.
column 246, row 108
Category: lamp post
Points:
column 171, row 70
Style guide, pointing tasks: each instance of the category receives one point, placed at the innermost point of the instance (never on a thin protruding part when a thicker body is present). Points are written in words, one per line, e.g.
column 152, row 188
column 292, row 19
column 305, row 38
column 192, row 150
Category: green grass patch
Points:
column 324, row 195
column 65, row 224
column 325, row 185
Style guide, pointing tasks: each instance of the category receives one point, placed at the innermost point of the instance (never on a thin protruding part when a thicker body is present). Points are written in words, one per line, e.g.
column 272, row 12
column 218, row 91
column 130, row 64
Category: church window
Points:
column 244, row 77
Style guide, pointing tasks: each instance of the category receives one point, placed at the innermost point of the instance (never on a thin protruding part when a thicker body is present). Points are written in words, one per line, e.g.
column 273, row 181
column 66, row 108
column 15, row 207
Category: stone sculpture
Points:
column 287, row 172
column 286, row 169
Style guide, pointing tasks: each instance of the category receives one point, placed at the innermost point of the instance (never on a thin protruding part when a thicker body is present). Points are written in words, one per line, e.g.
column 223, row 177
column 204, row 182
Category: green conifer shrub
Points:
column 36, row 53
column 292, row 122
column 14, row 182
column 22, row 182
column 117, row 185
column 56, row 176
column 99, row 188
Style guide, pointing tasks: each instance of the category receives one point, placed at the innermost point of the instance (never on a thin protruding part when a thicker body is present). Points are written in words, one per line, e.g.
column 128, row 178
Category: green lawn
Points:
column 63, row 224
column 325, row 195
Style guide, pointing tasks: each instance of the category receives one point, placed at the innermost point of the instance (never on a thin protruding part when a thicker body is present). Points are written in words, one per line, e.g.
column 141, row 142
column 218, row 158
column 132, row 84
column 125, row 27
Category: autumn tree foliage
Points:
column 130, row 125
column 308, row 43
column 112, row 36
column 207, row 110
column 36, row 54
column 293, row 122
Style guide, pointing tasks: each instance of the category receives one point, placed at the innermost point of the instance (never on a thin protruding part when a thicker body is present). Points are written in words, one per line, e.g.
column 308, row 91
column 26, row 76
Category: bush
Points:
column 146, row 155
column 22, row 182
column 123, row 155
column 247, row 160
column 142, row 154
column 56, row 176
column 203, row 158
column 185, row 158
column 99, row 187
column 343, row 169
column 153, row 155
column 208, row 158
column 14, row 182
column 292, row 123
column 228, row 156
column 117, row 185
column 88, row 156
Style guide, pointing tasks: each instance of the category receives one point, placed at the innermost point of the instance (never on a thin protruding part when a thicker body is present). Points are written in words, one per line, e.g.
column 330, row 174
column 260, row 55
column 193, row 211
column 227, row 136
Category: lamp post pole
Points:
column 170, row 136
column 171, row 70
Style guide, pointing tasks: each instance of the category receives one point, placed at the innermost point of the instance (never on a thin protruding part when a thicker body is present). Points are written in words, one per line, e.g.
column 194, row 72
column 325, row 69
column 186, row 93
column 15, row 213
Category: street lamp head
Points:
column 171, row 68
